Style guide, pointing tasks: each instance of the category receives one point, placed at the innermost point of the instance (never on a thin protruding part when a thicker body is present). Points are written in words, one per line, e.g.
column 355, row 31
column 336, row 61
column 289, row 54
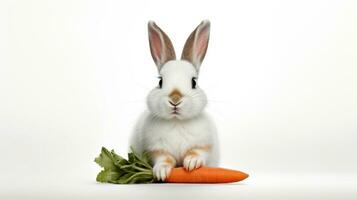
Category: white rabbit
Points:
column 175, row 130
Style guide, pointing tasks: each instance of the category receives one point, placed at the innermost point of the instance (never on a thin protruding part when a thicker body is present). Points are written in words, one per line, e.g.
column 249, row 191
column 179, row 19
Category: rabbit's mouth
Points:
column 175, row 111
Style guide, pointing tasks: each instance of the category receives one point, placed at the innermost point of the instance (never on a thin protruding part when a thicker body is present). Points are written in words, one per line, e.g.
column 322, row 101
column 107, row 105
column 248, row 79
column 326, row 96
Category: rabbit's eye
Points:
column 160, row 82
column 194, row 83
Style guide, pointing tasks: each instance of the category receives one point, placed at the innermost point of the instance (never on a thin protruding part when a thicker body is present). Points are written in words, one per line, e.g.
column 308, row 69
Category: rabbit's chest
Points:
column 177, row 138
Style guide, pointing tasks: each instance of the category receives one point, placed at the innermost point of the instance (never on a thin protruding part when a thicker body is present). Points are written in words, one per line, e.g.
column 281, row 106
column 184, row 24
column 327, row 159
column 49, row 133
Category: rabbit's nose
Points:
column 175, row 96
column 173, row 104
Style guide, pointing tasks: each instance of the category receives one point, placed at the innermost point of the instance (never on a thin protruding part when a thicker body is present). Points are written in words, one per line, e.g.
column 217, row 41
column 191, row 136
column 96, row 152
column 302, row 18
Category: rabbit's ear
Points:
column 161, row 47
column 196, row 44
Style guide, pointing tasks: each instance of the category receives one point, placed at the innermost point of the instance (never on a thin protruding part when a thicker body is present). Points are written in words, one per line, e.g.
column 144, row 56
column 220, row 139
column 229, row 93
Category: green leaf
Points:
column 131, row 157
column 108, row 176
column 118, row 160
column 143, row 159
column 124, row 179
column 106, row 160
column 146, row 158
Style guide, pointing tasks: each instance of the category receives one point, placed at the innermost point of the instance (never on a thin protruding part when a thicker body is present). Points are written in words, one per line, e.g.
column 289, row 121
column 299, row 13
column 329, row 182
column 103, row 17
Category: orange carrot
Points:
column 206, row 175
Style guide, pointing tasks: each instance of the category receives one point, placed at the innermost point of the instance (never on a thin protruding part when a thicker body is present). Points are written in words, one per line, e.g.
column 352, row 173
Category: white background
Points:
column 280, row 78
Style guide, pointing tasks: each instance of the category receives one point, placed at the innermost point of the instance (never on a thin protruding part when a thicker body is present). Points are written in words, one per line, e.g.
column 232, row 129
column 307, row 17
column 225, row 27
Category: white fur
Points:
column 158, row 129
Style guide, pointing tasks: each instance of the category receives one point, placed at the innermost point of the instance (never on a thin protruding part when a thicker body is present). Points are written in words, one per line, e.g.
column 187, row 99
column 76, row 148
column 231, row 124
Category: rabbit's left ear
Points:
column 161, row 47
column 196, row 45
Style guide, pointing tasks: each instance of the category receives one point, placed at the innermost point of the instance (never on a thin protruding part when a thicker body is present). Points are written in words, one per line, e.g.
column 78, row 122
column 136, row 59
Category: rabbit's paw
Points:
column 162, row 171
column 192, row 162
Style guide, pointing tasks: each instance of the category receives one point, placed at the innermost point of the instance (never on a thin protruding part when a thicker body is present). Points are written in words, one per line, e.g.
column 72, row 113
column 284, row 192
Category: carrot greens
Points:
column 118, row 170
